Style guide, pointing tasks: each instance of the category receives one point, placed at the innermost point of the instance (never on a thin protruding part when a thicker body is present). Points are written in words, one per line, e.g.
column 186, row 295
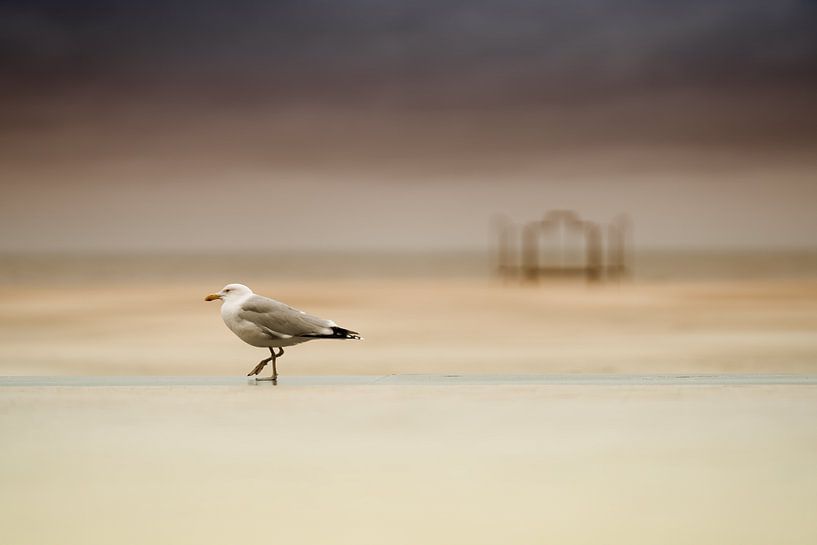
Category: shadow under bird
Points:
column 267, row 323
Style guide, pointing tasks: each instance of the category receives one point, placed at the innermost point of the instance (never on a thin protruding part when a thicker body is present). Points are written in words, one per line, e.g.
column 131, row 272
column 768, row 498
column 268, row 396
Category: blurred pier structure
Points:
column 562, row 244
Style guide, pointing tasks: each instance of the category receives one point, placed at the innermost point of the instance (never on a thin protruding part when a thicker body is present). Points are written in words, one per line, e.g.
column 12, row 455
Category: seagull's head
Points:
column 230, row 291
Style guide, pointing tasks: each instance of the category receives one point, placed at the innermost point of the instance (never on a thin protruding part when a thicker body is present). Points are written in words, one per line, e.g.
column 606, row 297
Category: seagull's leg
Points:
column 258, row 368
column 274, row 377
column 275, row 369
column 274, row 357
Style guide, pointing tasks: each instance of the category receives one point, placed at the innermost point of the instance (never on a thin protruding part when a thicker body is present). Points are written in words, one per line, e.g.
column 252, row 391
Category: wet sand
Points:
column 407, row 464
column 676, row 411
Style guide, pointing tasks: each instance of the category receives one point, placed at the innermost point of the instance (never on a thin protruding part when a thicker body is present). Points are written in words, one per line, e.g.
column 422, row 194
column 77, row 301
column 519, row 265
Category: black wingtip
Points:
column 338, row 333
column 342, row 333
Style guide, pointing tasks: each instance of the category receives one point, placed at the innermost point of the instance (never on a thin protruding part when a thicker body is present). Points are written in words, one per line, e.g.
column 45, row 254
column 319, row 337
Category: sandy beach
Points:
column 354, row 460
column 408, row 464
column 137, row 318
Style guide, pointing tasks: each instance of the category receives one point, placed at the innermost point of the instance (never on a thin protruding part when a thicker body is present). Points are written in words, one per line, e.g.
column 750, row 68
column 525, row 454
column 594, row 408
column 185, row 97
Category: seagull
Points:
column 267, row 323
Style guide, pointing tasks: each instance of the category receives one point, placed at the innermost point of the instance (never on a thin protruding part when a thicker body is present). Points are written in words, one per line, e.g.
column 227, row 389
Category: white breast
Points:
column 246, row 331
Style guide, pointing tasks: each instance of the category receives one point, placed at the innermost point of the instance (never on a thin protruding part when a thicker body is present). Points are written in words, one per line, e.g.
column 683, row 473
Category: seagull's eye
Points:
column 226, row 291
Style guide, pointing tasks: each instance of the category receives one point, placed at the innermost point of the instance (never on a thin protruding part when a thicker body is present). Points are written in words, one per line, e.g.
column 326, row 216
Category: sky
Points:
column 370, row 124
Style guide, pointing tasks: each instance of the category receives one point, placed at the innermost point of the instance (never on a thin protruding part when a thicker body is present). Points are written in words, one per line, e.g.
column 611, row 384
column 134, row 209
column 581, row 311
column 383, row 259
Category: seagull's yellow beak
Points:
column 212, row 297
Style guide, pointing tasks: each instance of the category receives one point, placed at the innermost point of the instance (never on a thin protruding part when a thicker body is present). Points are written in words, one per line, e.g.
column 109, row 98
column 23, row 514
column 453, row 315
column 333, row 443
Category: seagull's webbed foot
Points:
column 261, row 364
column 260, row 367
column 257, row 369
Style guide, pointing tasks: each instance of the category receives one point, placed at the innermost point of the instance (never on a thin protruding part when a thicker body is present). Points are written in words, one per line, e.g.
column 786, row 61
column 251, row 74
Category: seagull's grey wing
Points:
column 283, row 321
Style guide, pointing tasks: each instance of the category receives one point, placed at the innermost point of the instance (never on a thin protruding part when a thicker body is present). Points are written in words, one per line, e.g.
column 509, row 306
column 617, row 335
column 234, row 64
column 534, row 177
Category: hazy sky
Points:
column 363, row 123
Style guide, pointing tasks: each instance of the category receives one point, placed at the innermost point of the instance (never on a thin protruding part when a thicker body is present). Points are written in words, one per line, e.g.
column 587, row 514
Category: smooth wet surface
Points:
column 475, row 412
column 638, row 459
column 429, row 380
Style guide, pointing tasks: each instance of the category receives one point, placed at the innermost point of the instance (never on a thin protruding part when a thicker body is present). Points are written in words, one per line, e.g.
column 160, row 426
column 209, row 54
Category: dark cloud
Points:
column 364, row 82
column 436, row 53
